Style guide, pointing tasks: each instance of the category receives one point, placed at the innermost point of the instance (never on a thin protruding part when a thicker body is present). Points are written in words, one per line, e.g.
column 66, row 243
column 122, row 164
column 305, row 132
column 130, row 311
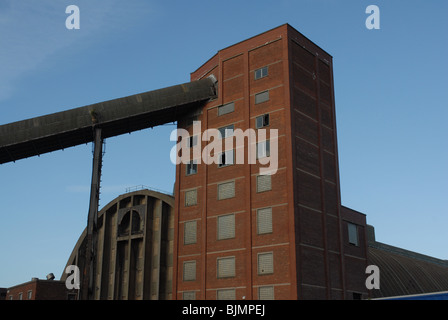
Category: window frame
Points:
column 258, row 222
column 221, row 107
column 194, row 166
column 264, row 123
column 232, row 258
column 183, row 270
column 227, row 182
column 262, row 273
column 264, row 72
column 261, row 95
column 225, row 129
column 218, row 218
column 191, row 241
column 266, row 150
column 352, row 230
column 226, row 155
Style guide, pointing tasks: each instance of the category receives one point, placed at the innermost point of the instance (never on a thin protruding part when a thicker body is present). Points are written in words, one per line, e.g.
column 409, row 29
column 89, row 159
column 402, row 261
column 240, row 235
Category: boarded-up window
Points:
column 226, row 227
column 265, row 263
column 189, row 295
column 264, row 220
column 190, row 231
column 261, row 97
column 225, row 294
column 226, row 108
column 263, row 183
column 266, row 293
column 226, row 267
column 191, row 198
column 189, row 272
column 226, row 190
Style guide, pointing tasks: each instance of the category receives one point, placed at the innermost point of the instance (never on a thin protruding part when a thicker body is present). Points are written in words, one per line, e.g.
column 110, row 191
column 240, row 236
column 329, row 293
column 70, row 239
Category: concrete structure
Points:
column 69, row 128
column 135, row 245
column 241, row 235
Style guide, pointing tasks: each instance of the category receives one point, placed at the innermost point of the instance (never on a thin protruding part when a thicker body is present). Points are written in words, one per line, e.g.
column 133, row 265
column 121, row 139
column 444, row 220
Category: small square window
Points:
column 266, row 293
column 226, row 159
column 264, row 183
column 226, row 131
column 261, row 73
column 226, row 190
column 262, row 121
column 192, row 167
column 226, row 267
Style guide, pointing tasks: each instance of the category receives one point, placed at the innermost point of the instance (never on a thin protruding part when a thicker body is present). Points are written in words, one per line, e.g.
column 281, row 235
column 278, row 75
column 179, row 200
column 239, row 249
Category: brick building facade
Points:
column 242, row 235
column 40, row 289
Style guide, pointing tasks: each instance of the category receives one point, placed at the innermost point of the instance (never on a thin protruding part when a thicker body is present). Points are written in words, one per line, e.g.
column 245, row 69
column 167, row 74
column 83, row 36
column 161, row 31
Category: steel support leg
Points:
column 88, row 282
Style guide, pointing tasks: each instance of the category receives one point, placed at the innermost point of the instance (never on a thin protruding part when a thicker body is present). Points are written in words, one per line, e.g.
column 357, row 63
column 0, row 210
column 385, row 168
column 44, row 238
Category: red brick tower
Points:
column 240, row 235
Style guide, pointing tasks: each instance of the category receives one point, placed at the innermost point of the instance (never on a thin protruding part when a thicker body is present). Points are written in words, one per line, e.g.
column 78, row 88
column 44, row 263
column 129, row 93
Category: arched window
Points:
column 136, row 222
column 123, row 228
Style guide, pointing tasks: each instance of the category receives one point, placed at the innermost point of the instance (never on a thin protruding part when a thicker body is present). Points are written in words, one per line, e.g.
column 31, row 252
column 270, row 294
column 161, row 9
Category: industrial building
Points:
column 228, row 231
column 275, row 236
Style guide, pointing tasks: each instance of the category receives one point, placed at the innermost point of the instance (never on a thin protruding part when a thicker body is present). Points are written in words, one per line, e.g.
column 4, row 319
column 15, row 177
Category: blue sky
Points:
column 391, row 107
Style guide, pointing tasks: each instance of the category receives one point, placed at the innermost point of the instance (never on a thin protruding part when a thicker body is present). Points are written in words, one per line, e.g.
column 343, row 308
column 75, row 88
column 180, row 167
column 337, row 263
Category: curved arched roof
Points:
column 144, row 192
column 404, row 273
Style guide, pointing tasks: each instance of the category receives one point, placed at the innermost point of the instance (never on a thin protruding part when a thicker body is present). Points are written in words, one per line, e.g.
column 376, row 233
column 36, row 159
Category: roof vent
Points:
column 50, row 276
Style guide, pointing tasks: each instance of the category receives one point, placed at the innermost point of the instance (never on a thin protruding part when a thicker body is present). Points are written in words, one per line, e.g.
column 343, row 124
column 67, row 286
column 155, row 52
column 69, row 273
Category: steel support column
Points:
column 88, row 281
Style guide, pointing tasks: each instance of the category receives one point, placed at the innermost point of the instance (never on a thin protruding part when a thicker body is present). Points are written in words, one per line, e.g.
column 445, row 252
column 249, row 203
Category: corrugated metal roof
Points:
column 405, row 273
